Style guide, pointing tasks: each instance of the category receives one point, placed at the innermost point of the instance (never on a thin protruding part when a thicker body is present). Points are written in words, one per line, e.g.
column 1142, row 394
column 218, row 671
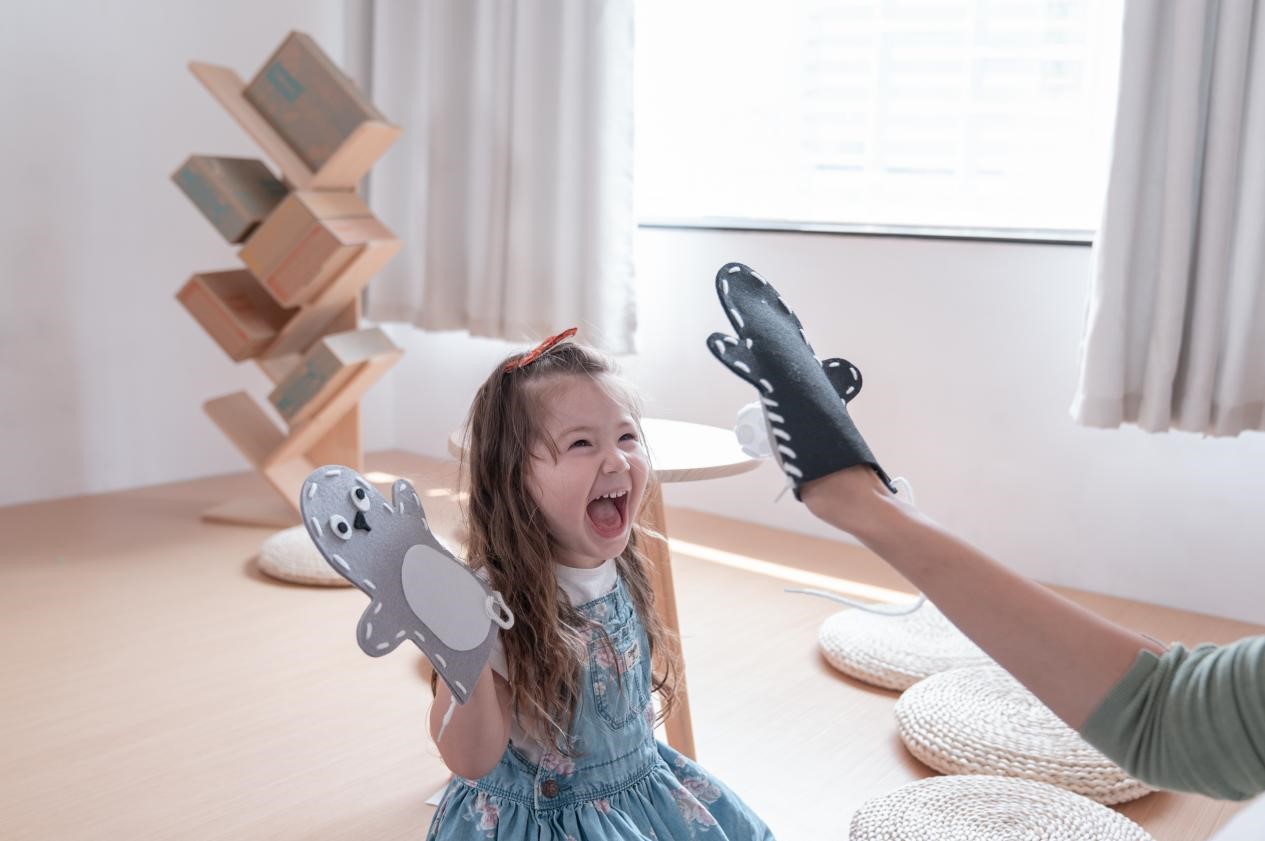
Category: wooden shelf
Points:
column 259, row 440
column 324, row 370
column 308, row 260
column 226, row 86
column 235, row 311
column 312, row 319
column 305, row 436
column 344, row 169
column 251, row 430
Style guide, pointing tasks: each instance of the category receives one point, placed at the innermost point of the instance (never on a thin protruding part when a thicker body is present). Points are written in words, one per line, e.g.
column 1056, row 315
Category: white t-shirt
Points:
column 581, row 586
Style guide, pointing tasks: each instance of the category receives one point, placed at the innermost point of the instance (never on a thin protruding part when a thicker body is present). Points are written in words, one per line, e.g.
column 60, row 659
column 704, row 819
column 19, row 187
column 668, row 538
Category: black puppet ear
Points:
column 844, row 376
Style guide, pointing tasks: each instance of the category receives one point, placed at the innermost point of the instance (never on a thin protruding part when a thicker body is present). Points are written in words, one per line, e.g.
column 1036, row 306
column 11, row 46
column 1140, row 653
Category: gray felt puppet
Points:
column 417, row 590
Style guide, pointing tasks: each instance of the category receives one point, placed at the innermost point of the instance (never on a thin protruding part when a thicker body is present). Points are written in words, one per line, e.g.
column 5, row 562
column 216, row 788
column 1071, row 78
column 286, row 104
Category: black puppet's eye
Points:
column 360, row 498
column 340, row 526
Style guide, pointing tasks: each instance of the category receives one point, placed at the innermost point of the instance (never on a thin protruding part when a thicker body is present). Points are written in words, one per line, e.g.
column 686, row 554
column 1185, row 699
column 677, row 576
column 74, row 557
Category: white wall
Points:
column 969, row 353
column 969, row 350
column 102, row 372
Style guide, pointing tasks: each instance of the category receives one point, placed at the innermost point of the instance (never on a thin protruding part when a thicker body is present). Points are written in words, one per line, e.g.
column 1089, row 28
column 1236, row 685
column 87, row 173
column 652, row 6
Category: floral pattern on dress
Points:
column 695, row 792
column 606, row 656
column 696, row 782
column 692, row 811
column 557, row 764
column 485, row 814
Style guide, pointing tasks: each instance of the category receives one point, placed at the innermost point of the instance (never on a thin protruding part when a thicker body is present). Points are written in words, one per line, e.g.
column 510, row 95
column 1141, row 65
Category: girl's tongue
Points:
column 607, row 516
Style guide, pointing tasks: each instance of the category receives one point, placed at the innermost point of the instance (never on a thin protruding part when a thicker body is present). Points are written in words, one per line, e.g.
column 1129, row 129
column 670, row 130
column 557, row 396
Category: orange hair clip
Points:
column 534, row 354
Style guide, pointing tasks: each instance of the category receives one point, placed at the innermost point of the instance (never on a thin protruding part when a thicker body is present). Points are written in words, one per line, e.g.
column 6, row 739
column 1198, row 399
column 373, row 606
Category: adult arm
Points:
column 1187, row 720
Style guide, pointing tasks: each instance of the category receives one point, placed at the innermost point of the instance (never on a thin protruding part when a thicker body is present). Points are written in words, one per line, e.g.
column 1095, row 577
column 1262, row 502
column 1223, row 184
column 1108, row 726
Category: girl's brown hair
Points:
column 508, row 538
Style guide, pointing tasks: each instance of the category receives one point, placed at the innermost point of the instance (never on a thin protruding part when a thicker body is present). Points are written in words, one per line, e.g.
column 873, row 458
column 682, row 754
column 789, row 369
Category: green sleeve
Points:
column 1189, row 720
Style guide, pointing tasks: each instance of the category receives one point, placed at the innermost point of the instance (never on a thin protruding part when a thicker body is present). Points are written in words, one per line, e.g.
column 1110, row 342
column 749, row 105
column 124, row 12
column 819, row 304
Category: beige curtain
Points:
column 1176, row 320
column 512, row 184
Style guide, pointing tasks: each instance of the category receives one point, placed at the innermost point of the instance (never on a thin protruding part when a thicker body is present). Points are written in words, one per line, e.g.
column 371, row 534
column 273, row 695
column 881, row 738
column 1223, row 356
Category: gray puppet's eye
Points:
column 340, row 526
column 360, row 498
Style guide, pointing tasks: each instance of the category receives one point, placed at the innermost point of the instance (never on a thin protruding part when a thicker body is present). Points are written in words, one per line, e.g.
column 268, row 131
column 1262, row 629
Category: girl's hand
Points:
column 478, row 731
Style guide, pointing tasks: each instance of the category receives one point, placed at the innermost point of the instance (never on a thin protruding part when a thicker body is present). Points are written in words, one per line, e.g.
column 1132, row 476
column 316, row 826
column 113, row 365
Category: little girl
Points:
column 557, row 738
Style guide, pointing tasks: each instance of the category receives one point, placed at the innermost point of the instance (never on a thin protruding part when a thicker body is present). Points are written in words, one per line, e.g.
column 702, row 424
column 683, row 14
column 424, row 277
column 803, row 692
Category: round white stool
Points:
column 973, row 808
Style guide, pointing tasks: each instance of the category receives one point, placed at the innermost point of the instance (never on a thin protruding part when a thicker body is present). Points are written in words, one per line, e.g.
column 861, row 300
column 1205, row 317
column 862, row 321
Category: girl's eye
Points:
column 629, row 436
column 583, row 442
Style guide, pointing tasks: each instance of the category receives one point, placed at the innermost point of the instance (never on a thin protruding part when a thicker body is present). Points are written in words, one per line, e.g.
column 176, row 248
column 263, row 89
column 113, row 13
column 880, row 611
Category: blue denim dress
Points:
column 622, row 784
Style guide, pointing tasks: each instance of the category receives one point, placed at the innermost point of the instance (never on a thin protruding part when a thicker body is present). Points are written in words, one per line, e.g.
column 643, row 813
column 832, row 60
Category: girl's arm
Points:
column 1067, row 656
column 476, row 735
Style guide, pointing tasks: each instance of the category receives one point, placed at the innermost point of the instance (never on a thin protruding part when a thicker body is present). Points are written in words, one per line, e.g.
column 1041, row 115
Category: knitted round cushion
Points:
column 980, row 720
column 895, row 652
column 290, row 555
column 971, row 808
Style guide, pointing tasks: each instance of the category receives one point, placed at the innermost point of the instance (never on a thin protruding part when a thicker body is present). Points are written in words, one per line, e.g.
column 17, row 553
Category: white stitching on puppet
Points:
column 738, row 318
column 768, row 386
column 341, row 562
column 786, row 451
column 742, row 366
column 316, row 524
column 311, row 489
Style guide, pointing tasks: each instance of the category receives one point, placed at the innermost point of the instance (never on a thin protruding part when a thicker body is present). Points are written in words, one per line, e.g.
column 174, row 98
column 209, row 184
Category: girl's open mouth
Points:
column 608, row 514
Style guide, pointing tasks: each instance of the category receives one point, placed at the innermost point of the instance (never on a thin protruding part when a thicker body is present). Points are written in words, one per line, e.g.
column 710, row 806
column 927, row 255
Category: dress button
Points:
column 549, row 788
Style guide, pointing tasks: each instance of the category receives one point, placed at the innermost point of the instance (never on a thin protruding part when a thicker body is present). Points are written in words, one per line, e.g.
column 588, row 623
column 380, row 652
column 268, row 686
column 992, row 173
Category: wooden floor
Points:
column 156, row 686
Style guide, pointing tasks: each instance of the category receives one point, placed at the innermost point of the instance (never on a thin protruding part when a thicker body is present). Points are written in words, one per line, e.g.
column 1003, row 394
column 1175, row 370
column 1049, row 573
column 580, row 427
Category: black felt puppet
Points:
column 805, row 399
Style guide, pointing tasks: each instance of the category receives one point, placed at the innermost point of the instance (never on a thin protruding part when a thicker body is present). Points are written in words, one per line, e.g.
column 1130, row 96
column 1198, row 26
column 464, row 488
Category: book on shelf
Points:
column 307, row 241
column 309, row 101
column 326, row 368
column 234, row 194
column 234, row 310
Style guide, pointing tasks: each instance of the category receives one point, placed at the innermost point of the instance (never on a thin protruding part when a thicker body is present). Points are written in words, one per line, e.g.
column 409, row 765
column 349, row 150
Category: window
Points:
column 976, row 114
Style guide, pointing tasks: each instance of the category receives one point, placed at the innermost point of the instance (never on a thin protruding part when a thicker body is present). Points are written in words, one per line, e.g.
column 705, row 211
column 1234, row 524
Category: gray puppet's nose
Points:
column 360, row 522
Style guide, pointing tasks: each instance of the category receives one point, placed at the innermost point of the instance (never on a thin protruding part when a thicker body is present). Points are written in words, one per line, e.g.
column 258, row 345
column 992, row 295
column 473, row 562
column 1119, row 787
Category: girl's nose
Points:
column 616, row 462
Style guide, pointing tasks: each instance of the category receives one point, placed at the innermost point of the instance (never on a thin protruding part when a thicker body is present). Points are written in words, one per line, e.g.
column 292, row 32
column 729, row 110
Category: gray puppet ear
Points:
column 406, row 501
